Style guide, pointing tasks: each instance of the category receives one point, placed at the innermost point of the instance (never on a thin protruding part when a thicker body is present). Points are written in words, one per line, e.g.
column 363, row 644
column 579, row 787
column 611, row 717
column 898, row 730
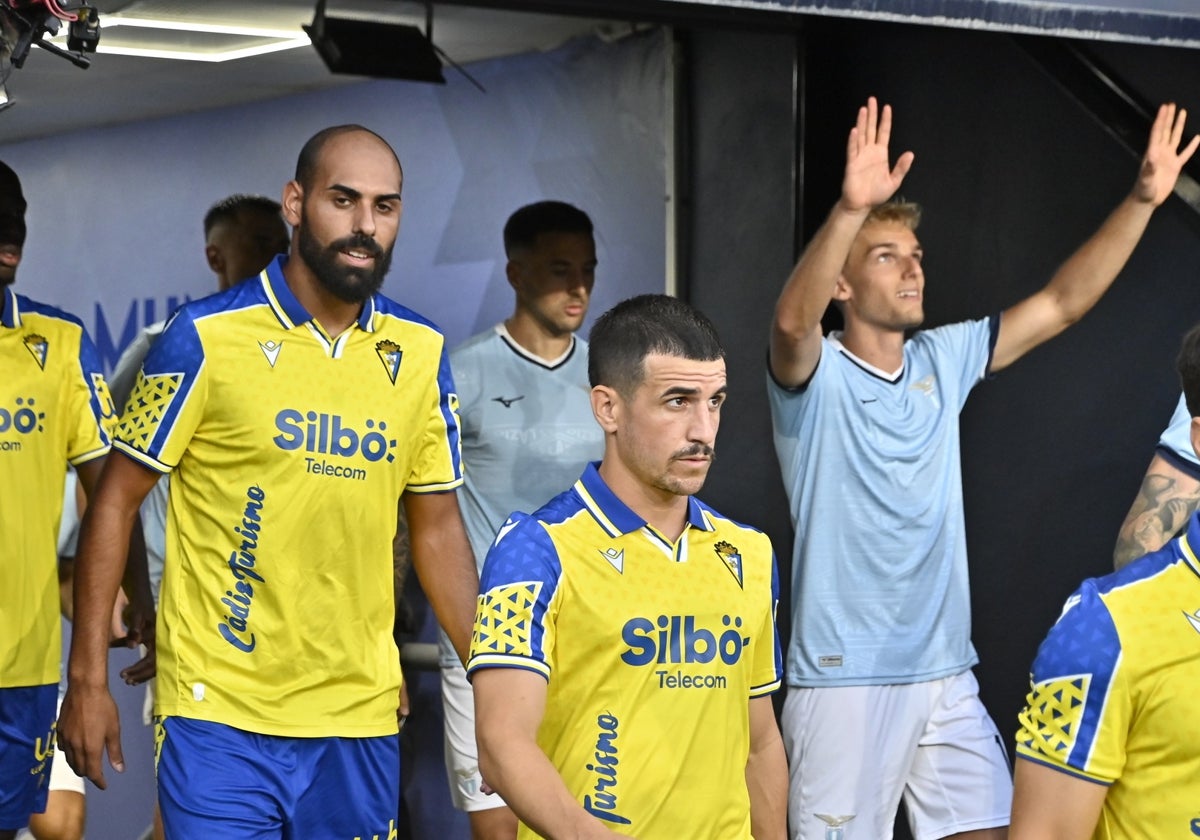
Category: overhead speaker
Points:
column 370, row 48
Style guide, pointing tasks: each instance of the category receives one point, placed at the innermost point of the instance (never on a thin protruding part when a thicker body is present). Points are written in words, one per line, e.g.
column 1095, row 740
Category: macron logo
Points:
column 1194, row 620
column 614, row 557
column 271, row 350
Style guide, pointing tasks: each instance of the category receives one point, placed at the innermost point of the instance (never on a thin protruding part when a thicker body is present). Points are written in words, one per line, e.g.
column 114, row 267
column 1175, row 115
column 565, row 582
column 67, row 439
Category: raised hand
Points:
column 868, row 180
column 1162, row 163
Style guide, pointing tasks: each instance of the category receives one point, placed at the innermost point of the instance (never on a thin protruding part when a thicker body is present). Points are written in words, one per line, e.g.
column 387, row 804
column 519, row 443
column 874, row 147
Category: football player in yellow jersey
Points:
column 295, row 411
column 1108, row 745
column 54, row 410
column 625, row 649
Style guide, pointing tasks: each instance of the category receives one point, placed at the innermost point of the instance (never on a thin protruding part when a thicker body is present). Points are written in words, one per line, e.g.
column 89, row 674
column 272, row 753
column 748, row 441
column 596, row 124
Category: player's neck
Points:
column 663, row 511
column 535, row 338
column 333, row 314
column 883, row 349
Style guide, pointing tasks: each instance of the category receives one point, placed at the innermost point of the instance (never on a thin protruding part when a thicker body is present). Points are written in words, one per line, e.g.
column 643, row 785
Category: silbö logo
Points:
column 330, row 435
column 676, row 640
column 602, row 802
column 242, row 561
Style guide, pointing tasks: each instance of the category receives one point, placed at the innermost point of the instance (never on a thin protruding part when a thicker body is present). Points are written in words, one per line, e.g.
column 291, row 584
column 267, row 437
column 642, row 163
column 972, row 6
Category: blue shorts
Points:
column 217, row 781
column 26, row 748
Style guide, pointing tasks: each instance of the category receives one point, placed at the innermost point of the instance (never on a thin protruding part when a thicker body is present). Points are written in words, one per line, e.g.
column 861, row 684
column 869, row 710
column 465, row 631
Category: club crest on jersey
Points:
column 38, row 347
column 271, row 350
column 731, row 558
column 390, row 354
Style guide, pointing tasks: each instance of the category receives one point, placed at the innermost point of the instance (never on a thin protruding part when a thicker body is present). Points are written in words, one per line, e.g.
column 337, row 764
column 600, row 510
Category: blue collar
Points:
column 614, row 515
column 11, row 316
column 290, row 312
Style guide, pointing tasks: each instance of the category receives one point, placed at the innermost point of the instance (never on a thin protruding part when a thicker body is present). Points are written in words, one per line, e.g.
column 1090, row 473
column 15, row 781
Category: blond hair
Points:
column 896, row 211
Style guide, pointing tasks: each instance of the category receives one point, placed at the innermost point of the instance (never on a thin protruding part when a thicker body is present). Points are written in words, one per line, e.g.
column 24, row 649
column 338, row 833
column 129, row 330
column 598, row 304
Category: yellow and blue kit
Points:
column 652, row 650
column 54, row 409
column 288, row 451
column 1114, row 689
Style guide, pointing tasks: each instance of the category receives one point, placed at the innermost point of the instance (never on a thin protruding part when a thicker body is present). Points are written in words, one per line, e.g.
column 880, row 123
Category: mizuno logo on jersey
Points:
column 507, row 401
column 390, row 354
column 38, row 347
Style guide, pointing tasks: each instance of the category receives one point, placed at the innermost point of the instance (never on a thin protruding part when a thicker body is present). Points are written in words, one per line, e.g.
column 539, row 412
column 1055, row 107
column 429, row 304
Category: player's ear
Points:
column 293, row 202
column 216, row 261
column 841, row 289
column 606, row 406
column 1195, row 434
column 512, row 270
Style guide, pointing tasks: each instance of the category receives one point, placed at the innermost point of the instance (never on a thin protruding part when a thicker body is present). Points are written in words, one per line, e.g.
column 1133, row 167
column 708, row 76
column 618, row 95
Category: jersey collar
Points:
column 290, row 312
column 11, row 317
column 614, row 516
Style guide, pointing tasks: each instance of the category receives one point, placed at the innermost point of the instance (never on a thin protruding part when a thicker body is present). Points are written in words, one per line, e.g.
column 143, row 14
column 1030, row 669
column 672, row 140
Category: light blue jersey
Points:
column 871, row 465
column 1175, row 444
column 527, row 432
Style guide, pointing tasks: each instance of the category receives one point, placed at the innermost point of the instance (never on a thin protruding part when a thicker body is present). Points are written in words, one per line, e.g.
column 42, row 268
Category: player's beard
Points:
column 353, row 285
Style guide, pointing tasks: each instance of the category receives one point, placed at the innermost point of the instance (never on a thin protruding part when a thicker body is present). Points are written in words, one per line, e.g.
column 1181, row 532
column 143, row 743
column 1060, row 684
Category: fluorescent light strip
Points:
column 185, row 26
column 287, row 39
column 226, row 55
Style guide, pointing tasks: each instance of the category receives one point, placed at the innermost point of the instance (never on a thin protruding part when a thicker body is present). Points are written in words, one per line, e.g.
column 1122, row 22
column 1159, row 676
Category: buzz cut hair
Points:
column 228, row 209
column 310, row 153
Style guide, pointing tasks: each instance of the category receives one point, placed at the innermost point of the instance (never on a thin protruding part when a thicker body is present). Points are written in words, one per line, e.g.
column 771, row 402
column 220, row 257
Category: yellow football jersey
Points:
column 54, row 409
column 1114, row 691
column 288, row 452
column 652, row 651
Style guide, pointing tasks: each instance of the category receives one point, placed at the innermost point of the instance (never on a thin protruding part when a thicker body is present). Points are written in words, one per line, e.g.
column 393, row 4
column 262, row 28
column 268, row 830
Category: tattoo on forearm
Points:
column 1160, row 510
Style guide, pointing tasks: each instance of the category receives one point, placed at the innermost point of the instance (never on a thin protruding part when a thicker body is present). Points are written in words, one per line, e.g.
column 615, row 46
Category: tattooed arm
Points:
column 1168, row 496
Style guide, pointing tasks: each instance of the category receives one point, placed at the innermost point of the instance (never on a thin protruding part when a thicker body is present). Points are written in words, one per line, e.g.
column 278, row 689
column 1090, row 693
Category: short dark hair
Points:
column 11, row 196
column 310, row 153
column 625, row 335
column 526, row 224
column 1188, row 365
column 228, row 209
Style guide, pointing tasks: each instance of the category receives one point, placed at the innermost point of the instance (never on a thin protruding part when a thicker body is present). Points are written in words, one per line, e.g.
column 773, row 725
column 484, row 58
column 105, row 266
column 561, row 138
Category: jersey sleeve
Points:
column 168, row 398
column 767, row 676
column 1077, row 713
column 1175, row 443
column 438, row 464
column 962, row 353
column 90, row 406
column 514, row 616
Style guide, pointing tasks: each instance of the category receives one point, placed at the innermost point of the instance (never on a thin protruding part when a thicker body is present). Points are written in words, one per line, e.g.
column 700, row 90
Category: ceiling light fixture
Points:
column 277, row 40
